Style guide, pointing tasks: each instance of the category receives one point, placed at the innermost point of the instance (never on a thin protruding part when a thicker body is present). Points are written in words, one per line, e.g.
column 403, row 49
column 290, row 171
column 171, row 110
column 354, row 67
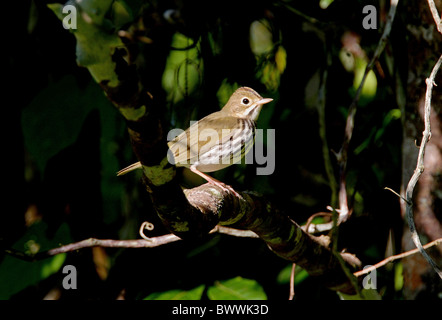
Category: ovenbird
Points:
column 217, row 140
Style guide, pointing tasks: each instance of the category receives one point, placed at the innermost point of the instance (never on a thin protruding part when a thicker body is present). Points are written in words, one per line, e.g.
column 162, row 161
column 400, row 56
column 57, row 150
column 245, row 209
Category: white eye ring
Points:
column 245, row 101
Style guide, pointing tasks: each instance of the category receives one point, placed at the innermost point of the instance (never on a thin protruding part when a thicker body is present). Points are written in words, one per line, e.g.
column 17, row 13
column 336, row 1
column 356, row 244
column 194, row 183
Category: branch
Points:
column 283, row 236
column 235, row 232
column 93, row 242
column 312, row 20
column 108, row 243
column 194, row 212
column 396, row 257
column 420, row 167
column 323, row 134
column 435, row 14
column 343, row 153
column 109, row 61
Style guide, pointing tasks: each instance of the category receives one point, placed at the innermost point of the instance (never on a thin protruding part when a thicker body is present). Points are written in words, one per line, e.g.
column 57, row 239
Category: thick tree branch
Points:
column 283, row 236
column 195, row 212
column 142, row 108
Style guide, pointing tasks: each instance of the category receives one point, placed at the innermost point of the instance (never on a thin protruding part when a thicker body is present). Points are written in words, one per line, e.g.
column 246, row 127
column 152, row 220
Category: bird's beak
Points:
column 264, row 101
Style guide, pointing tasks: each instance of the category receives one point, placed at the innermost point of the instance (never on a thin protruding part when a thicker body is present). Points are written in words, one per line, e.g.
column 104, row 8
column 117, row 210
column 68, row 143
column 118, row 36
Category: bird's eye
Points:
column 245, row 101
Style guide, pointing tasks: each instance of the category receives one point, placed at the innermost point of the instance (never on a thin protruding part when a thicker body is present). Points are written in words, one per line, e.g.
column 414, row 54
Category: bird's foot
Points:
column 225, row 187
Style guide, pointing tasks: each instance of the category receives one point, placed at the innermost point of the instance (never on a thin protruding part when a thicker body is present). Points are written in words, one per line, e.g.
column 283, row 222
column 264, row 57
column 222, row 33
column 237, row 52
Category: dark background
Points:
column 64, row 141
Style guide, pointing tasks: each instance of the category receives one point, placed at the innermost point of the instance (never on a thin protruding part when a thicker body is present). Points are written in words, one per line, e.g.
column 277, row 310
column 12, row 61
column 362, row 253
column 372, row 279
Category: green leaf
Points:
column 96, row 36
column 53, row 120
column 177, row 294
column 261, row 39
column 398, row 276
column 236, row 289
column 370, row 85
column 225, row 91
column 394, row 114
column 16, row 274
column 281, row 59
column 325, row 3
column 284, row 275
column 122, row 13
column 184, row 68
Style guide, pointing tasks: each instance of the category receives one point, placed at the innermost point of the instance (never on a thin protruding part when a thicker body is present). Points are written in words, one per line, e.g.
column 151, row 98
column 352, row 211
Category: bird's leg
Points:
column 214, row 181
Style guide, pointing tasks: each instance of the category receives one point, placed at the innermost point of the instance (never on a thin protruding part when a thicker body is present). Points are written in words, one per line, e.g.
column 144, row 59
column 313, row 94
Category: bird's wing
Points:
column 219, row 130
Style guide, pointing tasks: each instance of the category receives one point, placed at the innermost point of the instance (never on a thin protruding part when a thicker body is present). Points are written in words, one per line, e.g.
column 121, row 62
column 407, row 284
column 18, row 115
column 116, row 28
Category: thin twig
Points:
column 321, row 102
column 146, row 242
column 435, row 14
column 235, row 232
column 310, row 227
column 93, row 242
column 292, row 282
column 334, row 247
column 342, row 155
column 396, row 257
column 394, row 192
column 299, row 13
column 146, row 225
column 420, row 167
column 306, row 228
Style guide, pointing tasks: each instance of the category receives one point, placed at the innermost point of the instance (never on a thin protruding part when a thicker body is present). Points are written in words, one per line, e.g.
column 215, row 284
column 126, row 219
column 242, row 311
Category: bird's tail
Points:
column 133, row 166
